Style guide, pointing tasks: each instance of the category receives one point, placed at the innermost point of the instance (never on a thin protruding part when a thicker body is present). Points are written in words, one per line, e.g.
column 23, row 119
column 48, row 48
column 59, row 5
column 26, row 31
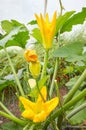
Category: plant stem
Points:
column 5, row 109
column 53, row 79
column 45, row 64
column 15, row 75
column 30, row 128
column 45, row 7
column 66, row 107
column 61, row 7
column 40, row 92
column 54, row 125
column 75, row 87
column 75, row 111
column 13, row 118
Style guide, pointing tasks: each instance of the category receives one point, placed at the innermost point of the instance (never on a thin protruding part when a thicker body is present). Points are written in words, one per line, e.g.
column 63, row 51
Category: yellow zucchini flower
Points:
column 47, row 29
column 39, row 110
column 30, row 55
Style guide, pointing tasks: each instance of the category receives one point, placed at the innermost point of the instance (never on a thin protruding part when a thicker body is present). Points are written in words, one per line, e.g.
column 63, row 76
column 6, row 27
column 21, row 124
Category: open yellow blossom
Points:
column 47, row 29
column 38, row 111
column 30, row 55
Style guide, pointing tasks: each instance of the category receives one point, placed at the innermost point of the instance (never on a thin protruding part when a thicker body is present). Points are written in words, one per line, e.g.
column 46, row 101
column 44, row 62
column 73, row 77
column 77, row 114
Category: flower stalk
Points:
column 5, row 109
column 13, row 118
column 66, row 107
column 15, row 75
column 76, row 110
column 53, row 79
column 75, row 87
column 44, row 69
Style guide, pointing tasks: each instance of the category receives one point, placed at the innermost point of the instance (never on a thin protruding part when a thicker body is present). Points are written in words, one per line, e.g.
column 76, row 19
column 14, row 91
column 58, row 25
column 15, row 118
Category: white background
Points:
column 23, row 10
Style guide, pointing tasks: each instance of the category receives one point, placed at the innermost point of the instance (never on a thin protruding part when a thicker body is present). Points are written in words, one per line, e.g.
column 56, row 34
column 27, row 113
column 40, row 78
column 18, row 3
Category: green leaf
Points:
column 6, row 26
column 78, row 18
column 16, row 34
column 5, row 83
column 37, row 35
column 19, row 39
column 11, row 126
column 10, row 80
column 32, row 22
column 70, row 50
column 16, row 23
column 62, row 19
column 4, row 40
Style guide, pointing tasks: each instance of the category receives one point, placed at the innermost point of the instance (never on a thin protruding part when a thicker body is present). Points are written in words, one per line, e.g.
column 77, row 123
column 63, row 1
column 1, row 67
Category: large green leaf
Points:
column 33, row 22
column 16, row 34
column 6, row 26
column 69, row 51
column 62, row 19
column 37, row 35
column 10, row 80
column 11, row 126
column 19, row 39
column 6, row 38
column 78, row 18
column 5, row 83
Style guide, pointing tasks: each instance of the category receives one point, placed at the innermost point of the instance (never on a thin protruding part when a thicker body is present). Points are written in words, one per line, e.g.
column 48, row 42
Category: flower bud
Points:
column 32, row 83
column 30, row 55
column 35, row 68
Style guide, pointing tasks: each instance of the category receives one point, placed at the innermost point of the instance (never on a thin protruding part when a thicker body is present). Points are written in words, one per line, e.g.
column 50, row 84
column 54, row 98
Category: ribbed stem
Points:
column 75, row 111
column 5, row 109
column 15, row 75
column 45, row 64
column 65, row 107
column 75, row 87
column 13, row 118
column 53, row 79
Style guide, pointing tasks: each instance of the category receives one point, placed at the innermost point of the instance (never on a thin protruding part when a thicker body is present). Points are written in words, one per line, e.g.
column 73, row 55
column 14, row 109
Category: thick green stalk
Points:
column 75, row 87
column 65, row 107
column 15, row 75
column 53, row 79
column 5, row 109
column 13, row 118
column 76, row 110
column 45, row 64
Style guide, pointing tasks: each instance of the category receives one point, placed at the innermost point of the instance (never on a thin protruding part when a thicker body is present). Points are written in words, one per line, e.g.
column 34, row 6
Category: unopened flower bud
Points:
column 35, row 68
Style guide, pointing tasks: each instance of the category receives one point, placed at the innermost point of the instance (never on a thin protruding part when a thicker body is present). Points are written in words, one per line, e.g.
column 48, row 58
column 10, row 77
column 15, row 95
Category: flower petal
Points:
column 50, row 105
column 47, row 29
column 30, row 55
column 27, row 103
column 43, row 95
column 28, row 114
column 40, row 117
